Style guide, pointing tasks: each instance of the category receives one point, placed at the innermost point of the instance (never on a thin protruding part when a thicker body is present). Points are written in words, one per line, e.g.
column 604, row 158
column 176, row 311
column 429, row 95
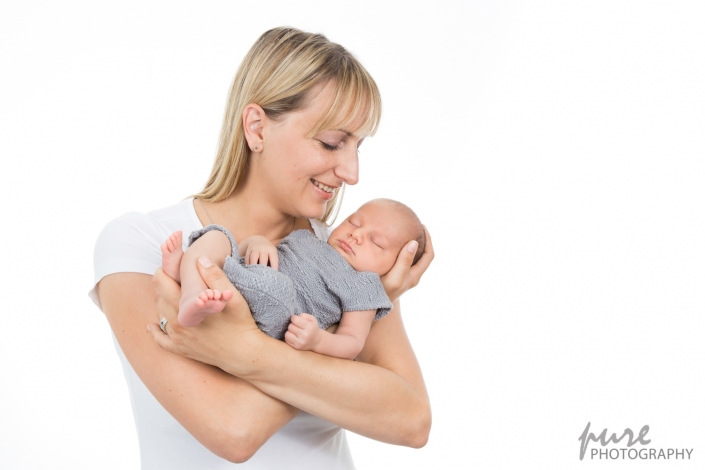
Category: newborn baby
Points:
column 337, row 281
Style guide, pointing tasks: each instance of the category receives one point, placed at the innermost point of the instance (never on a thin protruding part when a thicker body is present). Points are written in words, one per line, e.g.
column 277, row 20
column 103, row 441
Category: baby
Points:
column 337, row 282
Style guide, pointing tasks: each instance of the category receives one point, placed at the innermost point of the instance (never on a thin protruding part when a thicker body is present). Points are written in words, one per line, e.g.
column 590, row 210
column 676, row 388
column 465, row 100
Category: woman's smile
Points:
column 324, row 187
column 323, row 191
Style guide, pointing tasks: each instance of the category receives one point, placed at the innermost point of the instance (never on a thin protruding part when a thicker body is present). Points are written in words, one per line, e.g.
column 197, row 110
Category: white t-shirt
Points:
column 130, row 243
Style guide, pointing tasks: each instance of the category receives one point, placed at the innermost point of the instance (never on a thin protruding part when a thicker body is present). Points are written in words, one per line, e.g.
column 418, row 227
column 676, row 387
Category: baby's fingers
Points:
column 299, row 320
column 292, row 340
column 263, row 259
column 308, row 318
column 295, row 329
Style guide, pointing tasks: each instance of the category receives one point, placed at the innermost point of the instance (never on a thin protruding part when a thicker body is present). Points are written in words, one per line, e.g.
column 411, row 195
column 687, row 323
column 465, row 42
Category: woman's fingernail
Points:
column 412, row 246
column 205, row 262
column 149, row 329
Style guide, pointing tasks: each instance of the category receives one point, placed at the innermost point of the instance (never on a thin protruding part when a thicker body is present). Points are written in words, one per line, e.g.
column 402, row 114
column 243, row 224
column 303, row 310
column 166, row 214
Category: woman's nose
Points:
column 347, row 168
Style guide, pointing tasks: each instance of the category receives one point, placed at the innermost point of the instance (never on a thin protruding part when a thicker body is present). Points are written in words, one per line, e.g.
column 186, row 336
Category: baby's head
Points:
column 372, row 237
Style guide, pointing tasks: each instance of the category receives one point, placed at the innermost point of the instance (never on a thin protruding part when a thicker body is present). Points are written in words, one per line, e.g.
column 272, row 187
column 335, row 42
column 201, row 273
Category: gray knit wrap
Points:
column 312, row 278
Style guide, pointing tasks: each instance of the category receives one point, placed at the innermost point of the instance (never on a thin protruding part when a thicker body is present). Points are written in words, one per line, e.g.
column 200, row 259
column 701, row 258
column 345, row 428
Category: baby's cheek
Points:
column 387, row 263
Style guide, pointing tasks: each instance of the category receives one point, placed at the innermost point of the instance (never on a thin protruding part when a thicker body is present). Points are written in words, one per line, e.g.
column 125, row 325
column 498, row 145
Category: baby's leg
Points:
column 197, row 300
column 171, row 256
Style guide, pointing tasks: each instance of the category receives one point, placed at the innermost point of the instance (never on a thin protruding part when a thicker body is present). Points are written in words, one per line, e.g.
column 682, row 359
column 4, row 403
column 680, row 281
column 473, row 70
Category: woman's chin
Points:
column 316, row 215
column 312, row 211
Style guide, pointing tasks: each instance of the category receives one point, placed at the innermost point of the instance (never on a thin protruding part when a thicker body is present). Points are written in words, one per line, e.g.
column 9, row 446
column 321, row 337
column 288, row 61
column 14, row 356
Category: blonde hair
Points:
column 278, row 74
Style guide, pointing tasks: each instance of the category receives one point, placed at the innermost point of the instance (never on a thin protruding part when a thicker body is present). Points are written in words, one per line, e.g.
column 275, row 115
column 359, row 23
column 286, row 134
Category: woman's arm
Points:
column 226, row 414
column 381, row 396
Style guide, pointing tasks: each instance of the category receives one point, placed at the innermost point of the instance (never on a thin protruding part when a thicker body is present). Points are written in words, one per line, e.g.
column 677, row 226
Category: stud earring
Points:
column 255, row 149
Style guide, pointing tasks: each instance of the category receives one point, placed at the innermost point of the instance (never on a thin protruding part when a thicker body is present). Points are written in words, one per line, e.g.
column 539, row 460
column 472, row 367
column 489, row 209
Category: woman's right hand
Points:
column 212, row 341
column 403, row 276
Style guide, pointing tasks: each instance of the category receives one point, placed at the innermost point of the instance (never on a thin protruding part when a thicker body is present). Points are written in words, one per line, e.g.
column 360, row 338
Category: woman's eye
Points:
column 329, row 147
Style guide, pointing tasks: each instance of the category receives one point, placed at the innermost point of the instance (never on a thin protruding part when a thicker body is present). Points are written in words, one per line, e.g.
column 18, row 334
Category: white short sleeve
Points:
column 130, row 244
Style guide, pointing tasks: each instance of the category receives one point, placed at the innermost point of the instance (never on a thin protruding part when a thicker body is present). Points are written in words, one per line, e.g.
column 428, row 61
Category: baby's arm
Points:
column 347, row 342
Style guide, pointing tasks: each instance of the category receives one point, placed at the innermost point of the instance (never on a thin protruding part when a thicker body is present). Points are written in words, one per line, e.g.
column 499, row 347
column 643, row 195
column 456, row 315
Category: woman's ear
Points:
column 253, row 119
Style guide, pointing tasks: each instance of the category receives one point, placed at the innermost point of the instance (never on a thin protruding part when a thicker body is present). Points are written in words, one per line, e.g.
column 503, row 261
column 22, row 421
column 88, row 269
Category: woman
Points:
column 298, row 110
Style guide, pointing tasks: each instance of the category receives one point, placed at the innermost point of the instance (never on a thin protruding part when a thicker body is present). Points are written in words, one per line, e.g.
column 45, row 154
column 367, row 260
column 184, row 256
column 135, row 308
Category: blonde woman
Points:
column 223, row 391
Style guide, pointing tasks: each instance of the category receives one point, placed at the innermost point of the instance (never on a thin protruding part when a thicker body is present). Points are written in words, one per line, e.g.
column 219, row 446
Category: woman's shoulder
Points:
column 131, row 242
column 149, row 228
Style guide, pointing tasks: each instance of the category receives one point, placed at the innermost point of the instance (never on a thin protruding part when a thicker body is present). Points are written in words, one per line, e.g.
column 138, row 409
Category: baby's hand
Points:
column 304, row 333
column 261, row 251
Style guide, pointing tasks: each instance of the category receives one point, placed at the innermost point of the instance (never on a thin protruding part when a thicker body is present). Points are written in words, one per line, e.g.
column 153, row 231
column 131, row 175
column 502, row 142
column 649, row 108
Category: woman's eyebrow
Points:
column 348, row 133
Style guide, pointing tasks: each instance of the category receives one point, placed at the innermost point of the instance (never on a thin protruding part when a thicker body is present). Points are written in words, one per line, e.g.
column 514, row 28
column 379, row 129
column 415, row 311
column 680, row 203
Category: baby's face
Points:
column 371, row 238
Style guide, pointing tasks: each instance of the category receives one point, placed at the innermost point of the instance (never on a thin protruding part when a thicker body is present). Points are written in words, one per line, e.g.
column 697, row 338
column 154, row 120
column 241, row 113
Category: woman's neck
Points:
column 245, row 216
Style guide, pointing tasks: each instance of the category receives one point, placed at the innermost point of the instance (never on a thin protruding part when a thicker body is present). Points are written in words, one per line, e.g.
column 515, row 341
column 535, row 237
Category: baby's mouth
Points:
column 322, row 186
column 346, row 247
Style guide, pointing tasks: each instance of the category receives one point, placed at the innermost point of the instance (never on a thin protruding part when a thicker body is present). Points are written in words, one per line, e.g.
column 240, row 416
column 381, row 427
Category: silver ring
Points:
column 162, row 325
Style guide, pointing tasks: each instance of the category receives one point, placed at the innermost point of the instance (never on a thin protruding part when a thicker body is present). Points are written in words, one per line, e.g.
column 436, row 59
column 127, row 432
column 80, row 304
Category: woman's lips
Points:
column 346, row 247
column 321, row 193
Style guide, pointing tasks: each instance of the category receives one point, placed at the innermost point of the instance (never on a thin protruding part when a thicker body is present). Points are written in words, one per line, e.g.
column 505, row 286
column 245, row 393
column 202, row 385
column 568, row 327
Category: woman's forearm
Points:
column 226, row 414
column 383, row 398
column 381, row 395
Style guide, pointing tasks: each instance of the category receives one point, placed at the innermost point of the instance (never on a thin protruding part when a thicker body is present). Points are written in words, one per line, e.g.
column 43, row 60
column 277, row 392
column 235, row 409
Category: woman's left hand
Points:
column 403, row 276
column 212, row 341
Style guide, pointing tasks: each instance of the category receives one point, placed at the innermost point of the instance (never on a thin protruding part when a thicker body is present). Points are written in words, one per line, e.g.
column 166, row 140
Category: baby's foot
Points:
column 171, row 256
column 193, row 309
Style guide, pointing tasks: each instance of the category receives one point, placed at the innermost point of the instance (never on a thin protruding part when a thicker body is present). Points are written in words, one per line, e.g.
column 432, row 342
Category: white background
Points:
column 555, row 150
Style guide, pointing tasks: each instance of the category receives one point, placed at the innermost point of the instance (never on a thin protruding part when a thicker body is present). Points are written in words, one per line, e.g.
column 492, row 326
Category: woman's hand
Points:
column 381, row 395
column 215, row 340
column 403, row 276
